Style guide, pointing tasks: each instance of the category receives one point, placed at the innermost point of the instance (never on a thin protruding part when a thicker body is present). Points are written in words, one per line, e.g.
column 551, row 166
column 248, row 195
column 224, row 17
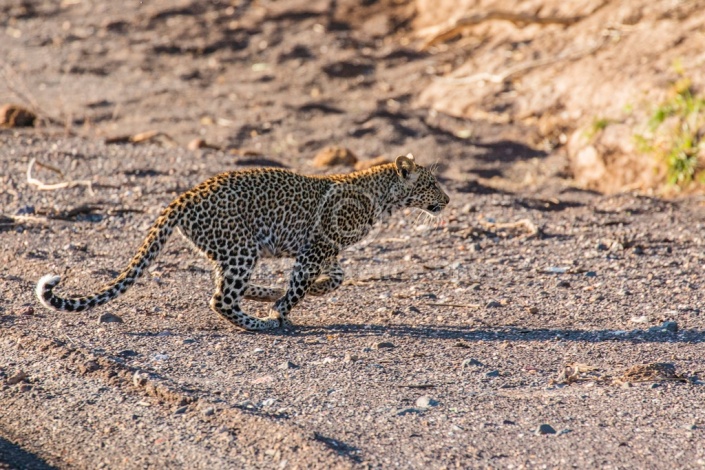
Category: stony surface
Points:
column 173, row 385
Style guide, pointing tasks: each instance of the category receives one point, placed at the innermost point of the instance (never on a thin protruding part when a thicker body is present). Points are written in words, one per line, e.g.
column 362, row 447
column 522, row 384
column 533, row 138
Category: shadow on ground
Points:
column 503, row 333
column 13, row 456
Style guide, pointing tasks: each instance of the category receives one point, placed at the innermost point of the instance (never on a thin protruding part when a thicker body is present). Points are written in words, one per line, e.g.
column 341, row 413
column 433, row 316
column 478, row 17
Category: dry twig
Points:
column 41, row 186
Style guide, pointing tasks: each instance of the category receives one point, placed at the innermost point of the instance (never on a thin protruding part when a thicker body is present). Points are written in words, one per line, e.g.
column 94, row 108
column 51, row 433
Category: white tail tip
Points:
column 46, row 283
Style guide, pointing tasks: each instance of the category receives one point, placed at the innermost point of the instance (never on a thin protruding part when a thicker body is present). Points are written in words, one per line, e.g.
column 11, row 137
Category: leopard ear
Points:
column 405, row 166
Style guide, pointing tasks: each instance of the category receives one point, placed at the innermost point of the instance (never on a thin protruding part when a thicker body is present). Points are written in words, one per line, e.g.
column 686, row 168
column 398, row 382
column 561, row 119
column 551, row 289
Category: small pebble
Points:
column 533, row 310
column 670, row 326
column 287, row 365
column 109, row 318
column 544, row 429
column 269, row 401
column 181, row 410
column 210, row 411
column 25, row 388
column 189, row 341
column 165, row 333
column 425, row 402
column 493, row 304
column 492, row 373
column 468, row 208
column 384, row 345
column 27, row 310
column 640, row 319
column 258, row 351
column 17, row 378
column 564, row 284
column 471, row 362
column 655, row 385
column 601, row 247
column 350, row 358
column 591, row 274
column 196, row 144
column 139, row 380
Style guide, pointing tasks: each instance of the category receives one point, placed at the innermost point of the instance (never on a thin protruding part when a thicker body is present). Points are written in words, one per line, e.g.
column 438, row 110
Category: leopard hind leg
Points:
column 231, row 284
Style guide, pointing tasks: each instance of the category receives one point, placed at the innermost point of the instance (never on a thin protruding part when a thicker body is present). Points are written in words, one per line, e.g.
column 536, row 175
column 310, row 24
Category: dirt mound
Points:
column 590, row 74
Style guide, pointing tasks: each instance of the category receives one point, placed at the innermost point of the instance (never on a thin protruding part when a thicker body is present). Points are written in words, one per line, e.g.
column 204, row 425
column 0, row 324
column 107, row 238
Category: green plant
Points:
column 676, row 132
column 597, row 126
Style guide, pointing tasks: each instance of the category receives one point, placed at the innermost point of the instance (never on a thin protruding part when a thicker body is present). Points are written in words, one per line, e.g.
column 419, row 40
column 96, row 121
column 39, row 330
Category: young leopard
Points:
column 236, row 218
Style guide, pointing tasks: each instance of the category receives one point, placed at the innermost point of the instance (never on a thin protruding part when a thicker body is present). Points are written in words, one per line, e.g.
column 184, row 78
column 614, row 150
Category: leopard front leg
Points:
column 307, row 268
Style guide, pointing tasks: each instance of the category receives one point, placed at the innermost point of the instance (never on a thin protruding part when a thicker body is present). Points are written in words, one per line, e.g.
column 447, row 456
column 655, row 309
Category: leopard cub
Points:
column 238, row 217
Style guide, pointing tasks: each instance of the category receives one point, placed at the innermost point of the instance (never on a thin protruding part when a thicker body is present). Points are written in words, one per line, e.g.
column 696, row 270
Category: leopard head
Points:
column 420, row 187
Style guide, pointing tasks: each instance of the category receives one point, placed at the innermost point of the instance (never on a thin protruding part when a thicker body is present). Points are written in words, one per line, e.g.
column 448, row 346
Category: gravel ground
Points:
column 477, row 318
column 446, row 347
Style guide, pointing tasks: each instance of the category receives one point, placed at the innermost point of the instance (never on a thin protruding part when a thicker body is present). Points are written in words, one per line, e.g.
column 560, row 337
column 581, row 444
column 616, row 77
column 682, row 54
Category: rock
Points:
column 25, row 388
column 257, row 351
column 210, row 411
column 27, row 310
column 333, row 156
column 425, row 402
column 533, row 310
column 189, row 341
column 468, row 208
column 269, row 401
column 12, row 115
column 88, row 366
column 139, row 380
column 670, row 326
column 384, row 345
column 17, row 378
column 544, row 429
column 367, row 164
column 350, row 358
column 287, row 365
column 493, row 304
column 196, row 144
column 601, row 247
column 564, row 284
column 508, row 422
column 591, row 274
column 128, row 353
column 492, row 373
column 471, row 362
column 109, row 318
column 181, row 410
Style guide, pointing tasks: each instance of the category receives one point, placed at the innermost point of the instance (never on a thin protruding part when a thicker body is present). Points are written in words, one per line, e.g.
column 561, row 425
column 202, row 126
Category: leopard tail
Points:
column 152, row 245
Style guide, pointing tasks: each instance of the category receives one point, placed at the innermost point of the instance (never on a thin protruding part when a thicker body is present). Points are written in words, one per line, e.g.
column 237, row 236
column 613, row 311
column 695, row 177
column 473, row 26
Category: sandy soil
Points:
column 446, row 348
